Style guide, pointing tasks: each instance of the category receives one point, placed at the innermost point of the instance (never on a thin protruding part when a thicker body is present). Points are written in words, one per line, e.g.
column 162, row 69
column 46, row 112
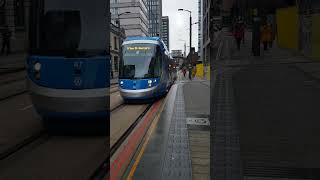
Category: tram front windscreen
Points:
column 69, row 28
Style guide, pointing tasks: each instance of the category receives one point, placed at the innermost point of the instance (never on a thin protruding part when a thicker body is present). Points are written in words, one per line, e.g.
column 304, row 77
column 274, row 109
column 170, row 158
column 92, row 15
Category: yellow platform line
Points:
column 149, row 133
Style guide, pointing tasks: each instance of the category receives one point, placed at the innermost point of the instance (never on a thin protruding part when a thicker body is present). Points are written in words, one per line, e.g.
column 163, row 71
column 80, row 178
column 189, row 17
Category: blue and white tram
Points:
column 68, row 64
column 145, row 71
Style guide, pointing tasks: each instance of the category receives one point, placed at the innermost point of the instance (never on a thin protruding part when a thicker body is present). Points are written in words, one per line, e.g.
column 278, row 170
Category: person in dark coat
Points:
column 6, row 35
column 190, row 71
column 266, row 35
column 238, row 33
column 184, row 71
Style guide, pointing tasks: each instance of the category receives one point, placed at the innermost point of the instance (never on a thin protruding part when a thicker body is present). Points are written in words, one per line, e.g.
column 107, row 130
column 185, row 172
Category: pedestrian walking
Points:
column 6, row 35
column 266, row 35
column 238, row 33
column 194, row 71
column 243, row 32
column 190, row 71
column 272, row 36
column 184, row 71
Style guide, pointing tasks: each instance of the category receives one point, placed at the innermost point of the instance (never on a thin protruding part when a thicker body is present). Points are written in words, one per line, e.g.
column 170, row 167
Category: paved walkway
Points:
column 267, row 109
column 179, row 149
column 197, row 108
column 114, row 81
column 12, row 62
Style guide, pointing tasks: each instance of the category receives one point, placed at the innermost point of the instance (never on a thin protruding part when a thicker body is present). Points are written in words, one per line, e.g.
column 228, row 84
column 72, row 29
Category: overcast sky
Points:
column 179, row 22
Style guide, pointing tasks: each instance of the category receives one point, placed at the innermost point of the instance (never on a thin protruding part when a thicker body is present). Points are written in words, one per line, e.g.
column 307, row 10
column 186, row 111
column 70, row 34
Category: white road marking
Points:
column 27, row 107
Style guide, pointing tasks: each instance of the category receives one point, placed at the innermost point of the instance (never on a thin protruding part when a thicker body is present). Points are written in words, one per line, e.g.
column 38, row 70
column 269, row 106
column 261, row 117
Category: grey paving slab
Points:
column 226, row 162
column 281, row 112
column 18, row 121
column 177, row 163
column 114, row 81
column 167, row 155
column 264, row 116
column 13, row 61
column 197, row 107
column 197, row 98
column 200, row 154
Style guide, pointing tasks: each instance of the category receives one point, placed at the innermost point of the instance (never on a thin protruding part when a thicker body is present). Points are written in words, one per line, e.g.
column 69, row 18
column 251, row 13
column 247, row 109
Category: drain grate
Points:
column 198, row 121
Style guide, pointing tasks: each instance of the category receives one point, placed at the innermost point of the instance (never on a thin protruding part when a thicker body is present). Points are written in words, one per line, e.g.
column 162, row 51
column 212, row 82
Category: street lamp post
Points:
column 119, row 26
column 120, row 35
column 190, row 26
column 118, row 19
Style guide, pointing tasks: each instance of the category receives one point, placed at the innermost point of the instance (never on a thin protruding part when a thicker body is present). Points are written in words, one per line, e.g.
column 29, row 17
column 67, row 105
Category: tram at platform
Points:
column 68, row 64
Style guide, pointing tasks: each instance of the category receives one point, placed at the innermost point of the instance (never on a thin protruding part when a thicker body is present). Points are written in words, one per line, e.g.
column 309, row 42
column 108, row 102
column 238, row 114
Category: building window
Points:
column 19, row 13
column 116, row 63
column 111, row 61
column 2, row 12
column 115, row 43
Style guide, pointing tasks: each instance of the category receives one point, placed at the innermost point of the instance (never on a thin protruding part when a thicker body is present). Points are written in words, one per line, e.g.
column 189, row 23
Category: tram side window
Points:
column 158, row 63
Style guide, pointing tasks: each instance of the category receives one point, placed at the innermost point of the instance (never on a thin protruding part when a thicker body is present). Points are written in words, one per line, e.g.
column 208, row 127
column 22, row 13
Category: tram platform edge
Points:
column 167, row 155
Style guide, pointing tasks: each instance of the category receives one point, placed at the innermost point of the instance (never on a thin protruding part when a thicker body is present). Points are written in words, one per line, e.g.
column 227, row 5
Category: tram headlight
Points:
column 37, row 66
column 121, row 83
column 150, row 83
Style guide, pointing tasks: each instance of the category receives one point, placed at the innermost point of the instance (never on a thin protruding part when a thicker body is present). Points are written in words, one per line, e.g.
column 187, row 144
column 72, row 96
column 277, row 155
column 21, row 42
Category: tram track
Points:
column 114, row 88
column 12, row 85
column 115, row 146
column 113, row 92
column 29, row 140
column 5, row 82
column 15, row 155
column 40, row 140
column 38, row 146
column 13, row 95
column 7, row 71
column 103, row 169
column 43, row 136
column 19, row 146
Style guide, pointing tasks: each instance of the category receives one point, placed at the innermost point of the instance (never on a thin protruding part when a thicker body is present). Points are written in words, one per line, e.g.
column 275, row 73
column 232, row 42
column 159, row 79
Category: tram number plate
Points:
column 77, row 81
column 77, row 65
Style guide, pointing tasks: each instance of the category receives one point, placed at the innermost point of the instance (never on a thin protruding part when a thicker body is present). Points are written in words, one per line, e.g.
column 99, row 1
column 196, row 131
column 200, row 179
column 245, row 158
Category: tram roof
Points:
column 146, row 39
column 143, row 38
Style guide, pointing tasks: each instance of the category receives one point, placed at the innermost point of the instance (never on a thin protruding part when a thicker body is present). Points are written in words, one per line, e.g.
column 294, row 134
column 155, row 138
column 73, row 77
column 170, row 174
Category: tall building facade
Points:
column 200, row 25
column 15, row 14
column 206, row 6
column 176, row 53
column 178, row 56
column 136, row 22
column 165, row 31
column 154, row 14
column 116, row 38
